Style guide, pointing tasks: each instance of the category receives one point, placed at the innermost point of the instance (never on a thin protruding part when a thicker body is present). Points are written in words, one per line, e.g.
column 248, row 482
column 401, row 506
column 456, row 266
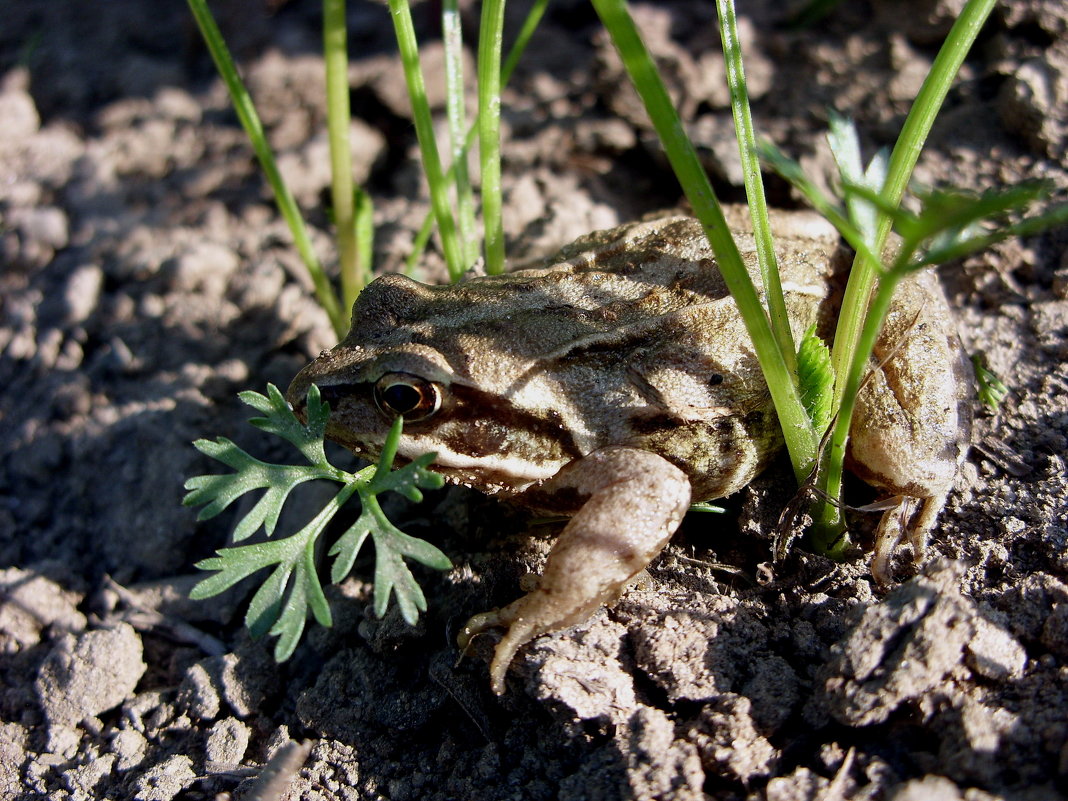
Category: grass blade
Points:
column 754, row 185
column 797, row 428
column 489, row 130
column 530, row 24
column 342, row 192
column 424, row 131
column 902, row 162
column 857, row 316
column 454, row 105
column 250, row 121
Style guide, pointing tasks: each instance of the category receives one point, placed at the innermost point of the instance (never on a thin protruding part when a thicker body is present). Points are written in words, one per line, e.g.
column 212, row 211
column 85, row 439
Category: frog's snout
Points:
column 297, row 394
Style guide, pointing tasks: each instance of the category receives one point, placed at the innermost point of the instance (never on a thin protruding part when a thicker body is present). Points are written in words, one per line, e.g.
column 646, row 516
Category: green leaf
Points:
column 266, row 604
column 406, row 480
column 280, row 420
column 233, row 565
column 391, row 573
column 845, row 146
column 817, row 198
column 991, row 389
column 280, row 606
column 707, row 508
column 349, row 544
column 290, row 626
column 816, row 378
column 219, row 491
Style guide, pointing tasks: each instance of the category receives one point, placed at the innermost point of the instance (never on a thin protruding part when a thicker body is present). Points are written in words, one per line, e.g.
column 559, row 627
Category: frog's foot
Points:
column 477, row 625
column 895, row 525
column 634, row 501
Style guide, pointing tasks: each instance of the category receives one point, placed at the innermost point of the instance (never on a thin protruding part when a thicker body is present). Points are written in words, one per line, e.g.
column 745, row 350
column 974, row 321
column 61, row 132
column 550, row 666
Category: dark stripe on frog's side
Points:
column 488, row 421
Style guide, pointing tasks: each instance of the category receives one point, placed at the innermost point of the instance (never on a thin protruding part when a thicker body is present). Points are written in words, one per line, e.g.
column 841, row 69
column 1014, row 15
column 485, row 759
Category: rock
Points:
column 12, row 755
column 1055, row 631
column 89, row 674
column 1031, row 102
column 19, row 114
column 164, row 781
column 32, row 603
column 900, row 649
column 82, row 779
column 728, row 742
column 227, row 742
column 82, row 293
column 130, row 747
column 929, row 788
column 658, row 764
column 698, row 654
column 205, row 267
column 994, row 653
column 42, row 230
column 241, row 680
column 800, row 785
column 583, row 674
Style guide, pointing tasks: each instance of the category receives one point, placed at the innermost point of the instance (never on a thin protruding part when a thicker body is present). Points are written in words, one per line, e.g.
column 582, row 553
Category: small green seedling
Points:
column 280, row 606
column 992, row 390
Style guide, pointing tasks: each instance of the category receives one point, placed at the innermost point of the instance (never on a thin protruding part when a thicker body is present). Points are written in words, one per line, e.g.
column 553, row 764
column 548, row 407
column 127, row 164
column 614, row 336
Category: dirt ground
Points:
column 147, row 279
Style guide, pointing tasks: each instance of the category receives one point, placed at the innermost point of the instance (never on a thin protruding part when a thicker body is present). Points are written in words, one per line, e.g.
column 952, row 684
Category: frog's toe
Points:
column 896, row 525
column 519, row 634
column 475, row 626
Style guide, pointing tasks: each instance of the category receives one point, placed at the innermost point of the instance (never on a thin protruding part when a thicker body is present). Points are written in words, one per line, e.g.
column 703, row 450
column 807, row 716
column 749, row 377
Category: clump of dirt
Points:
column 147, row 279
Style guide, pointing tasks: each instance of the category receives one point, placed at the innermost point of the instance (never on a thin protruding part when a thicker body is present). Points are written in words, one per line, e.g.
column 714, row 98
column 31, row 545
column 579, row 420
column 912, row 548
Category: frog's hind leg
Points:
column 631, row 503
column 899, row 522
column 912, row 422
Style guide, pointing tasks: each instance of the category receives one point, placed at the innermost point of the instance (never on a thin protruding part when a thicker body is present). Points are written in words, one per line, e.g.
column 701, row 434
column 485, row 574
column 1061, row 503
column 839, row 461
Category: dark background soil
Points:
column 146, row 279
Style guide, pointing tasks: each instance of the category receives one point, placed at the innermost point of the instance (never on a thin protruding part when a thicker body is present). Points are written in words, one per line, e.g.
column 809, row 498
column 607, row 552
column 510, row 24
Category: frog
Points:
column 615, row 384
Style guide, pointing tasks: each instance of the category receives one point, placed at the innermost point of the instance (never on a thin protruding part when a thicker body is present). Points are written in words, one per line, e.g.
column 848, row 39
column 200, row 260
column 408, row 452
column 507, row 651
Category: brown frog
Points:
column 618, row 384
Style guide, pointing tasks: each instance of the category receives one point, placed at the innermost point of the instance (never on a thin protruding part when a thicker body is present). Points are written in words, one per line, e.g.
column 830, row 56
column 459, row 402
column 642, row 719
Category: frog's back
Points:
column 672, row 371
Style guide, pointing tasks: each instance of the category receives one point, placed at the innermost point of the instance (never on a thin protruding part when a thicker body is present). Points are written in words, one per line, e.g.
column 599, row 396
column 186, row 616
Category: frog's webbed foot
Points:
column 898, row 523
column 633, row 502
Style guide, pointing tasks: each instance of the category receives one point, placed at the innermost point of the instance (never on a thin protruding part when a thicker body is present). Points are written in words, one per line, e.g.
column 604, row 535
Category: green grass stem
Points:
column 526, row 30
column 424, row 131
column 452, row 35
column 522, row 39
column 902, row 162
column 797, row 428
column 754, row 184
column 250, row 121
column 353, row 273
column 857, row 316
column 490, row 39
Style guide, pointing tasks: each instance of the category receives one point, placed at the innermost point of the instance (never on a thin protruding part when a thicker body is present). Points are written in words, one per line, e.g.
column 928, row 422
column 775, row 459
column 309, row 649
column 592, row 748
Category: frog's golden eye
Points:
column 408, row 395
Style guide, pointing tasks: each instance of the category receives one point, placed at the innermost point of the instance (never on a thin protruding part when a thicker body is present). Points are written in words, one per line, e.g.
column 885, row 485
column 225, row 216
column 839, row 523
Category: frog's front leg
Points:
column 631, row 503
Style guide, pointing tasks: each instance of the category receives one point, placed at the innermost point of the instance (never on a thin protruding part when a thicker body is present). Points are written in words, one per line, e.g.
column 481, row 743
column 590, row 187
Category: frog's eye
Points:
column 408, row 395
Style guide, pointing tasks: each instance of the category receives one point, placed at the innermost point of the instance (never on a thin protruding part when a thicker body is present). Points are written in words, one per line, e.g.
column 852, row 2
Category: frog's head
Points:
column 415, row 351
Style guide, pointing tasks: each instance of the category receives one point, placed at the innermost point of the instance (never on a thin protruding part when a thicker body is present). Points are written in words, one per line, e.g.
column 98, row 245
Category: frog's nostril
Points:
column 297, row 393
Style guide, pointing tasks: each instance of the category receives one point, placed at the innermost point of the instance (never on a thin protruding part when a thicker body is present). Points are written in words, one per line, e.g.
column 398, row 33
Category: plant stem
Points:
column 797, row 428
column 424, row 131
column 454, row 100
column 856, row 316
column 490, row 40
column 902, row 162
column 246, row 113
column 335, row 55
column 754, row 185
column 530, row 24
